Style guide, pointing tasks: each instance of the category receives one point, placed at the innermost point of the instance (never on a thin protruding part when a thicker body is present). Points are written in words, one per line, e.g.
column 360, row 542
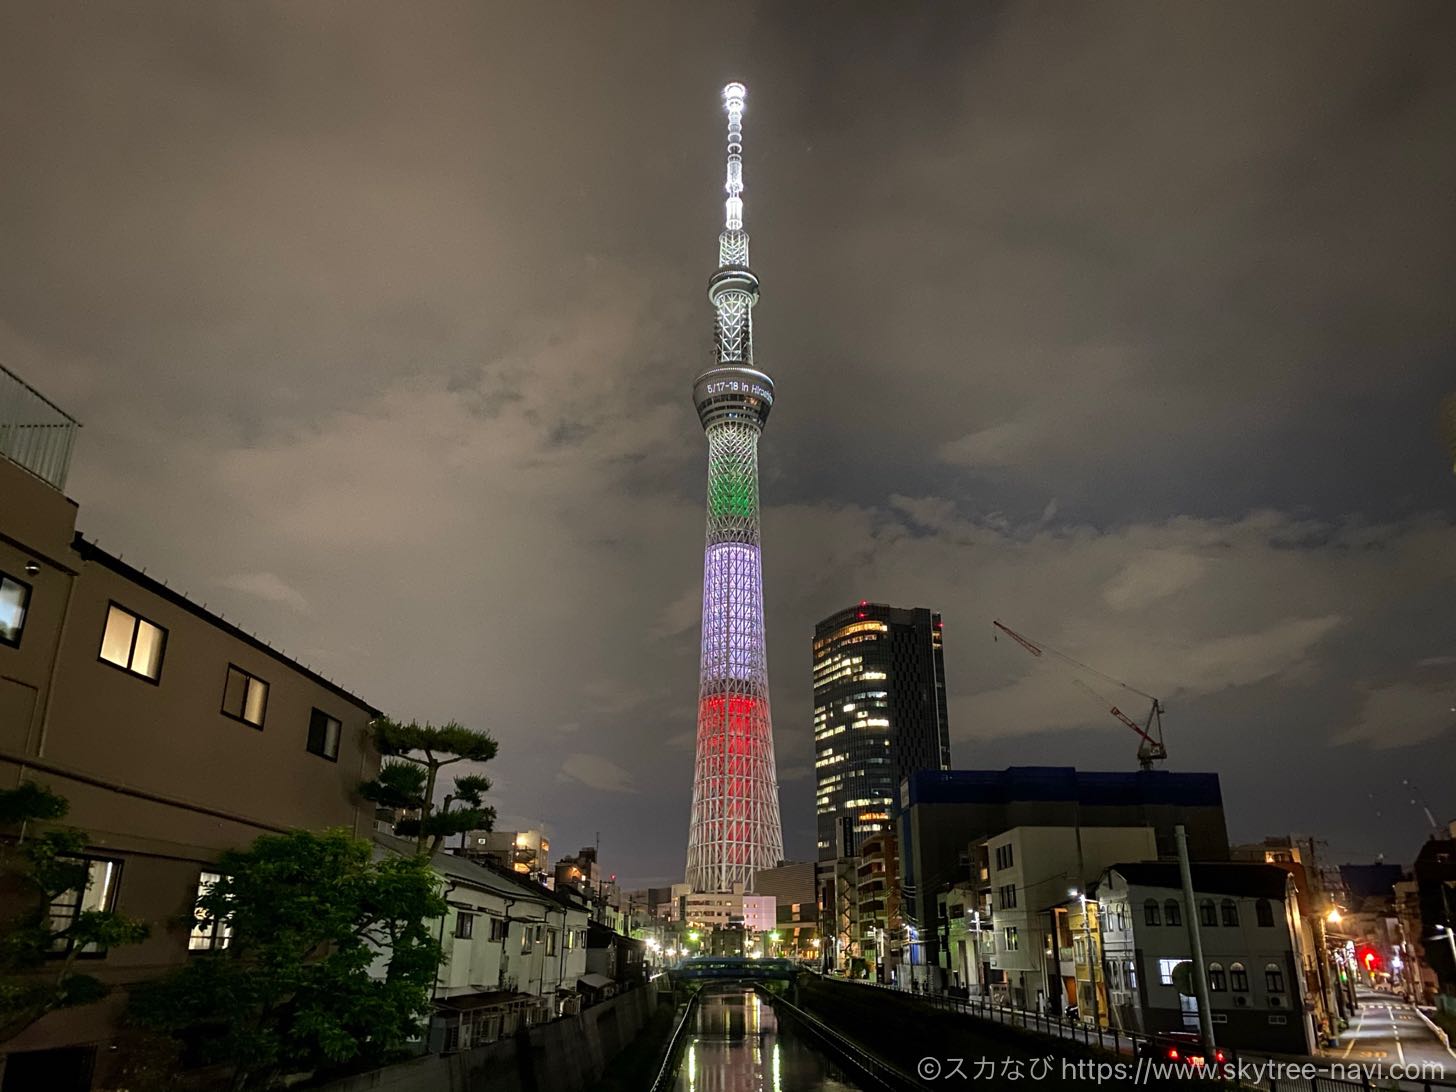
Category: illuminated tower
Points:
column 735, row 828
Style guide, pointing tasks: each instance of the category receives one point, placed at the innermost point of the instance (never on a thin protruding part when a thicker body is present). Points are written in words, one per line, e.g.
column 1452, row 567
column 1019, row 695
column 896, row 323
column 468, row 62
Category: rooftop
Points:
column 35, row 433
column 1064, row 783
column 1210, row 877
column 89, row 551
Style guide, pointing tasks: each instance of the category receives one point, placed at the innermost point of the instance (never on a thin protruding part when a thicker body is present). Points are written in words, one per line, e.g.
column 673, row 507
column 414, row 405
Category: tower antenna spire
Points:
column 734, row 96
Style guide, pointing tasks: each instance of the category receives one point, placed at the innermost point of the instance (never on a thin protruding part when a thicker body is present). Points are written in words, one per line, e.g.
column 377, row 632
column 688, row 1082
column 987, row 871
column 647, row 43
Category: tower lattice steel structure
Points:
column 735, row 828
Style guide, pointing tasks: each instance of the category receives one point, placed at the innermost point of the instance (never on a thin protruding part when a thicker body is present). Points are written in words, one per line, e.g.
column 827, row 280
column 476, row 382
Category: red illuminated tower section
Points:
column 735, row 828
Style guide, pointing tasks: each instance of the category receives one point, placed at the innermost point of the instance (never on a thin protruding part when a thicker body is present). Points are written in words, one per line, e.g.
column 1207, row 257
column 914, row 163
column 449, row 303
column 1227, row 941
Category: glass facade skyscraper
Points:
column 879, row 715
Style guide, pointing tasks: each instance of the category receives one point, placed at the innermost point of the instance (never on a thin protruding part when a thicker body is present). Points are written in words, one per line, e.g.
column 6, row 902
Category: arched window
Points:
column 1207, row 915
column 1150, row 913
column 1239, row 978
column 1263, row 913
column 1230, row 912
column 1172, row 914
column 1217, row 982
column 1273, row 978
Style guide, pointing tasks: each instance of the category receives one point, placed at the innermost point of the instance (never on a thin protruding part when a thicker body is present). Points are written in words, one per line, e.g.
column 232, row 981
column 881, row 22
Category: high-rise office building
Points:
column 879, row 716
column 734, row 831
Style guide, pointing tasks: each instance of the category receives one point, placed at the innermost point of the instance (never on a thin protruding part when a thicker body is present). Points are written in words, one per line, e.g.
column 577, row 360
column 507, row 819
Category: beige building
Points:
column 1035, row 877
column 524, row 851
column 173, row 734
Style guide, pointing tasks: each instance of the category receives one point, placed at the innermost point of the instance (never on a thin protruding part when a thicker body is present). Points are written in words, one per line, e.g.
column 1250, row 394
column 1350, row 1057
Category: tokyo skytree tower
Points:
column 735, row 828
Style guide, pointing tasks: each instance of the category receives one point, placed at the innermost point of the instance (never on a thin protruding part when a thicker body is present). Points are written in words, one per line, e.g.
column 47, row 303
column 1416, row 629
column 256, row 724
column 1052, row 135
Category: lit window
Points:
column 133, row 644
column 99, row 893
column 208, row 933
column 1013, row 940
column 14, row 601
column 244, row 697
column 323, row 735
column 1165, row 970
column 1217, row 983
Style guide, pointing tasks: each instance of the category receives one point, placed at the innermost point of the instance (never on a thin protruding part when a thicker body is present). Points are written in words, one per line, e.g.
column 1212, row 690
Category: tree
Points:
column 330, row 959
column 407, row 784
column 37, row 952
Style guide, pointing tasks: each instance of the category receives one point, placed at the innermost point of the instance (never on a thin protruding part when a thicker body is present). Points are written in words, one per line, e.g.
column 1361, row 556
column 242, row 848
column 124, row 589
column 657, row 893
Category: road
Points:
column 1387, row 1030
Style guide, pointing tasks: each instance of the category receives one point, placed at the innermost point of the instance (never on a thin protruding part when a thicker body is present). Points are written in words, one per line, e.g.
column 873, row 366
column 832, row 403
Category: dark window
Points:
column 1239, row 978
column 103, row 875
column 244, row 697
column 1230, row 912
column 1007, row 893
column 14, row 602
column 1207, row 914
column 1150, row 913
column 464, row 926
column 1217, row 982
column 132, row 643
column 323, row 735
column 1172, row 913
column 1263, row 913
column 496, row 930
column 1273, row 978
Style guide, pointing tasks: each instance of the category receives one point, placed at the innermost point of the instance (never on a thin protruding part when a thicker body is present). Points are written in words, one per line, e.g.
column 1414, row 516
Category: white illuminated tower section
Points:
column 735, row 828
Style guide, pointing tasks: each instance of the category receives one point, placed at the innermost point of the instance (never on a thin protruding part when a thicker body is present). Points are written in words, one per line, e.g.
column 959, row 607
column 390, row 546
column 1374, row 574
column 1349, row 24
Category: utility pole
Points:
column 1200, row 969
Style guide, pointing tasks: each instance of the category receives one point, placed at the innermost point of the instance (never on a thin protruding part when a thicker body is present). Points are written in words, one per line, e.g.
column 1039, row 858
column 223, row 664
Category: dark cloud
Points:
column 1124, row 322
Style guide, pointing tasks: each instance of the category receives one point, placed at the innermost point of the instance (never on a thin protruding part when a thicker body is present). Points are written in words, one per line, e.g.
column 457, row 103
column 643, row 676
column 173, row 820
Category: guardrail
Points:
column 1128, row 1043
column 668, row 1069
column 34, row 432
column 847, row 1051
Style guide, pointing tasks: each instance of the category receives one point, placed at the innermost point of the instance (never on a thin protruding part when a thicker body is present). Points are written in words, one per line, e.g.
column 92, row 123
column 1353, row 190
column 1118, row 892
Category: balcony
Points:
column 34, row 433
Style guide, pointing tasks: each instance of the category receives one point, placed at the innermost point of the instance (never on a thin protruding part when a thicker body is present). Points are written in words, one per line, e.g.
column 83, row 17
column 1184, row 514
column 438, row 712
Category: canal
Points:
column 736, row 1044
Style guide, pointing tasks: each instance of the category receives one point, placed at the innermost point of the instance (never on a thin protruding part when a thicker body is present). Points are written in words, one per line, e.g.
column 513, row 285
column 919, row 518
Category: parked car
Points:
column 1179, row 1046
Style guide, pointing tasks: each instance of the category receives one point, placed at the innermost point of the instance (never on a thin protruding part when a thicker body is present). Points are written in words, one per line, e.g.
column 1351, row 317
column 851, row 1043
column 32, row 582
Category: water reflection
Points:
column 737, row 1045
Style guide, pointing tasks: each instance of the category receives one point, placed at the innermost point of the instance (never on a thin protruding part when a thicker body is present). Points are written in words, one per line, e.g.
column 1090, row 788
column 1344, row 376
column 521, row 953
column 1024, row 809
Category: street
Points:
column 1387, row 1030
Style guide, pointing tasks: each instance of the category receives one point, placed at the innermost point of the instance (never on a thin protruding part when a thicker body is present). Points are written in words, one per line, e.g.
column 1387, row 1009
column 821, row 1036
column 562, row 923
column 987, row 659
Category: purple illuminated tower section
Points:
column 735, row 828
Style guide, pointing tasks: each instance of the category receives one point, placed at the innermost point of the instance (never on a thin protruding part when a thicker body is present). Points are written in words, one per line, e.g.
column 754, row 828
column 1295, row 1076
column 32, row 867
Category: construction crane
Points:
column 1150, row 748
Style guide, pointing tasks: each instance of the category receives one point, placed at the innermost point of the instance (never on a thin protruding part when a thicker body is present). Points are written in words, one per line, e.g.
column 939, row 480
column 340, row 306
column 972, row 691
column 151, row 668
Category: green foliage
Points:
column 310, row 915
column 37, row 960
column 407, row 784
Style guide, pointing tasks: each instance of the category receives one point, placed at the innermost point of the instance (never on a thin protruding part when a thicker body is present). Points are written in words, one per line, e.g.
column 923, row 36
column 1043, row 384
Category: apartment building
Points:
column 173, row 734
column 1032, row 903
column 514, row 952
column 1248, row 922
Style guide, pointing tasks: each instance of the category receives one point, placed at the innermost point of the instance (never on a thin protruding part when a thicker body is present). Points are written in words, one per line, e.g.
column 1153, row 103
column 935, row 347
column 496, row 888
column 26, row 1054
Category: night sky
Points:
column 1124, row 323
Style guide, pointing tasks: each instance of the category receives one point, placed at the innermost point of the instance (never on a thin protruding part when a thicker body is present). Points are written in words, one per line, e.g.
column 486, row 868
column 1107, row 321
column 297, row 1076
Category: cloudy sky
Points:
column 1121, row 322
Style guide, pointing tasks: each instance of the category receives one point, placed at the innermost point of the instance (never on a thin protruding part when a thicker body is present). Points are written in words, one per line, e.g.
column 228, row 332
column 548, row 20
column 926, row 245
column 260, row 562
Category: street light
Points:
column 1334, row 917
column 1091, row 951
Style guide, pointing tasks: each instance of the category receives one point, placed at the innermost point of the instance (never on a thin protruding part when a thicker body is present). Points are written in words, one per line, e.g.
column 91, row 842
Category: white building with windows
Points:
column 514, row 951
column 1026, row 890
column 1248, row 922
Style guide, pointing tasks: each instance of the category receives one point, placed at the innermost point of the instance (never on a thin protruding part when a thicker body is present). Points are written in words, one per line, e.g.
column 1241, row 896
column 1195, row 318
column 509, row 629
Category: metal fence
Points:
column 1250, row 1069
column 34, row 432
